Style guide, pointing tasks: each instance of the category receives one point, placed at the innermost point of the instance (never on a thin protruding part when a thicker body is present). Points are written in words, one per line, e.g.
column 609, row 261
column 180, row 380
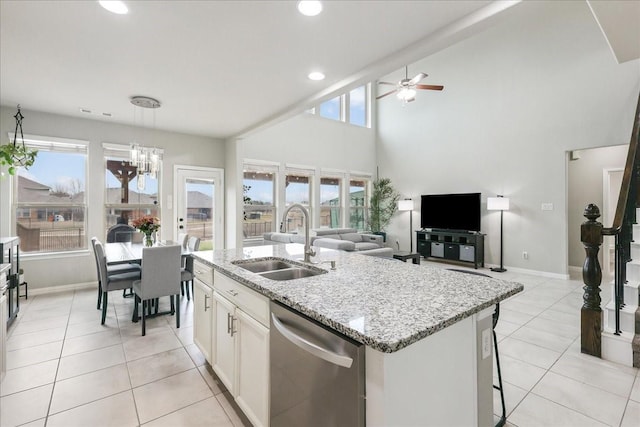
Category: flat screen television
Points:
column 451, row 211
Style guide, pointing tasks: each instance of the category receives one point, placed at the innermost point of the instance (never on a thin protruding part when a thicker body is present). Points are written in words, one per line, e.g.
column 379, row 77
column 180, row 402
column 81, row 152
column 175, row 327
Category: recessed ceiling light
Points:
column 114, row 6
column 310, row 7
column 316, row 75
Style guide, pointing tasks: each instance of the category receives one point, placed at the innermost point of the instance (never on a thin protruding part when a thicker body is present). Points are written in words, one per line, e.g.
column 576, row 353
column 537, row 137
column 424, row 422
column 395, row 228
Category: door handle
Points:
column 309, row 347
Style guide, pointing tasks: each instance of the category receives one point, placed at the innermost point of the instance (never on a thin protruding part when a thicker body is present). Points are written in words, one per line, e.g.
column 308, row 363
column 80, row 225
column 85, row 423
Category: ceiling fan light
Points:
column 309, row 7
column 114, row 6
column 406, row 94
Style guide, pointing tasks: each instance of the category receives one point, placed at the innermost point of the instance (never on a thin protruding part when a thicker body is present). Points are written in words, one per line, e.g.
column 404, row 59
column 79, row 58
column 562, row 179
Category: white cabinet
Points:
column 203, row 310
column 241, row 334
column 3, row 324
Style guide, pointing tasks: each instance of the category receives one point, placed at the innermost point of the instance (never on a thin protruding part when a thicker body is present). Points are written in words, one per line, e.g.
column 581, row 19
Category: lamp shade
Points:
column 497, row 203
column 405, row 205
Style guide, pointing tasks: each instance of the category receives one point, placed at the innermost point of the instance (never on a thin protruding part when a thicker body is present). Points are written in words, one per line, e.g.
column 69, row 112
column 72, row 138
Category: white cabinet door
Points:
column 203, row 308
column 225, row 345
column 253, row 369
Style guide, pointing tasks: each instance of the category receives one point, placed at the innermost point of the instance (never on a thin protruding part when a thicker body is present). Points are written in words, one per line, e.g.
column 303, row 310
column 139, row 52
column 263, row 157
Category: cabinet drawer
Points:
column 437, row 250
column 203, row 272
column 467, row 253
column 247, row 300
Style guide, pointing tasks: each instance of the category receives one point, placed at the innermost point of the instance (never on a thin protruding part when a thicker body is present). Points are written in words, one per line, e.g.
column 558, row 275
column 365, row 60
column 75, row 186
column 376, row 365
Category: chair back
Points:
column 101, row 262
column 160, row 271
column 194, row 243
column 120, row 233
column 95, row 255
column 183, row 239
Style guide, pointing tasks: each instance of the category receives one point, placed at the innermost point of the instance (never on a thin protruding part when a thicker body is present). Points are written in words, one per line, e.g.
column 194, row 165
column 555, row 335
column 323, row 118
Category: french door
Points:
column 199, row 197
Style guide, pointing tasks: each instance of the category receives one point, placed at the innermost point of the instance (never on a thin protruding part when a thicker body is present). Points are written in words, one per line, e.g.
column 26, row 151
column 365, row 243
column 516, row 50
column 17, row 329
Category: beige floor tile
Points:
column 26, row 406
column 528, row 352
column 82, row 363
column 555, row 327
column 35, row 314
column 27, row 377
column 205, row 413
column 635, row 391
column 518, row 373
column 561, row 317
column 32, row 355
column 85, row 316
column 535, row 411
column 91, row 327
column 521, row 307
column 26, row 326
column 506, row 328
column 588, row 400
column 542, row 338
column 161, row 365
column 185, row 335
column 37, row 423
column 114, row 411
column 195, row 354
column 590, row 371
column 90, row 342
column 31, row 339
column 162, row 397
column 631, row 416
column 238, row 419
column 89, row 387
column 512, row 397
column 212, row 379
column 514, row 316
column 150, row 344
column 130, row 330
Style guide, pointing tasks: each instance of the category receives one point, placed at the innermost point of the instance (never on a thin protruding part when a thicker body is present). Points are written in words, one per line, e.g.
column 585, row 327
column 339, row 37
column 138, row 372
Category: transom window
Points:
column 352, row 107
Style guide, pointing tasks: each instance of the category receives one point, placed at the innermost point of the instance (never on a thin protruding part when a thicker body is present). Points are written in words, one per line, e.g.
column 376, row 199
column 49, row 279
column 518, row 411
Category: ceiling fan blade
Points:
column 430, row 87
column 417, row 78
column 387, row 83
column 388, row 93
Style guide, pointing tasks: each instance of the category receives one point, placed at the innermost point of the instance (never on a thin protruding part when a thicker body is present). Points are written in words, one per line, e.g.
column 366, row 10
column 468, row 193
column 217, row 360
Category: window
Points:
column 330, row 202
column 298, row 190
column 258, row 191
column 359, row 203
column 358, row 106
column 124, row 201
column 50, row 200
column 332, row 109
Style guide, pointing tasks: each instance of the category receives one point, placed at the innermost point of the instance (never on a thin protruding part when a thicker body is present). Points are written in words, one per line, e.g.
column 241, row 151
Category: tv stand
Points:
column 454, row 245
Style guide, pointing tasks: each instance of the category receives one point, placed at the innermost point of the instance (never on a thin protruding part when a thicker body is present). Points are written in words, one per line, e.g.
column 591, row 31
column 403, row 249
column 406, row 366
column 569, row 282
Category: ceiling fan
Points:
column 406, row 88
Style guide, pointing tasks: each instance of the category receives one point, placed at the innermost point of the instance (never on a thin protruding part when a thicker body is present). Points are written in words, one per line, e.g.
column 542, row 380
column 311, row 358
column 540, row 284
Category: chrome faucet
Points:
column 308, row 252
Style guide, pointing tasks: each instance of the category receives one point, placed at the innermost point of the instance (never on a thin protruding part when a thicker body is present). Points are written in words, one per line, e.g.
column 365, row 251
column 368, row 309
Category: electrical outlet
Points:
column 486, row 343
column 525, row 255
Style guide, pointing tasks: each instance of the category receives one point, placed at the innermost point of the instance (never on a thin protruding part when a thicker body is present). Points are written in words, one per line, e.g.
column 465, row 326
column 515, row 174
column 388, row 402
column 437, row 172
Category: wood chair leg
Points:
column 177, row 313
column 104, row 306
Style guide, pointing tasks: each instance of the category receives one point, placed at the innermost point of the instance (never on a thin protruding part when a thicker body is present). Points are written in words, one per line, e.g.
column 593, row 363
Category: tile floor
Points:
column 65, row 369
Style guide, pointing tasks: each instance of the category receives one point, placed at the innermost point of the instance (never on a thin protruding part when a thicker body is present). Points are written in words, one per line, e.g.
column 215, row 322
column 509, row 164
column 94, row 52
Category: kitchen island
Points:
column 427, row 331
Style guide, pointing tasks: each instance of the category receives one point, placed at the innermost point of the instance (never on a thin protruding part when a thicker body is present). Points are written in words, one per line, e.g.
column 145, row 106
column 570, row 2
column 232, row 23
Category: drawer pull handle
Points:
column 232, row 292
column 206, row 307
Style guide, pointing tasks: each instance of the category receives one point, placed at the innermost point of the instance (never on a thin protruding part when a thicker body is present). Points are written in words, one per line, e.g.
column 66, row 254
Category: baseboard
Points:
column 62, row 288
column 533, row 272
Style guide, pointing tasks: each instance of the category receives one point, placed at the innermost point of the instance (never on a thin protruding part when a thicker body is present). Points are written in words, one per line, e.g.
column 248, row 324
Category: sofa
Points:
column 346, row 239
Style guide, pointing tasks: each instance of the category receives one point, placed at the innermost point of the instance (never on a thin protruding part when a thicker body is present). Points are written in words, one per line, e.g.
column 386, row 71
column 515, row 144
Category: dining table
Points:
column 131, row 252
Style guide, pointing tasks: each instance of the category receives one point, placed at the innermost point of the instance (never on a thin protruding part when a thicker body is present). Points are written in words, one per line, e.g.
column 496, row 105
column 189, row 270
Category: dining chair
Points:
column 186, row 272
column 496, row 315
column 183, row 238
column 120, row 233
column 111, row 269
column 160, row 276
column 111, row 281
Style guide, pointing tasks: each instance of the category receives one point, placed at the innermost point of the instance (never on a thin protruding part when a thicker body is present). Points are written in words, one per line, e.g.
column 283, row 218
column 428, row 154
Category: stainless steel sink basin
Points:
column 291, row 273
column 259, row 266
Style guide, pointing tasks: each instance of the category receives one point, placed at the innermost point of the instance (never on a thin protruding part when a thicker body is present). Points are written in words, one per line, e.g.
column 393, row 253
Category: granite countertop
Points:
column 383, row 303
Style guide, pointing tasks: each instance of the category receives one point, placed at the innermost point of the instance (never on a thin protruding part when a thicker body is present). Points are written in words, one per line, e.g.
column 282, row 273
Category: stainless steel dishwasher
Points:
column 317, row 375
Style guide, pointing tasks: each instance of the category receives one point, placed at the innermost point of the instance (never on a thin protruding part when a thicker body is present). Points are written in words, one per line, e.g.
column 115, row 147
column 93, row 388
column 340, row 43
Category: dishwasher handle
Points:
column 310, row 347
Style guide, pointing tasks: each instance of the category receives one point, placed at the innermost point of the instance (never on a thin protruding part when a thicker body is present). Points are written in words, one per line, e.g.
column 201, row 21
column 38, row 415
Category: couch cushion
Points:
column 363, row 246
column 325, row 232
column 344, row 245
column 281, row 237
column 352, row 237
column 329, row 236
column 299, row 238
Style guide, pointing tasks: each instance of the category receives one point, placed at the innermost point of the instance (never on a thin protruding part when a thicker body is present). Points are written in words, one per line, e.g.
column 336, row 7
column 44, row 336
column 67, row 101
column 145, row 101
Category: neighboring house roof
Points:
column 30, row 191
column 114, row 197
column 196, row 199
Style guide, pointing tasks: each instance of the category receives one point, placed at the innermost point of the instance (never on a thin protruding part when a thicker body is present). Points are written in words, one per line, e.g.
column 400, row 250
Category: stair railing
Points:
column 591, row 234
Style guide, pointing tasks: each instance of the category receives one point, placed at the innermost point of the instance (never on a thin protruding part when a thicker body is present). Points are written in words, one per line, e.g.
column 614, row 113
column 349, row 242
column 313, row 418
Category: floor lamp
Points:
column 501, row 204
column 407, row 205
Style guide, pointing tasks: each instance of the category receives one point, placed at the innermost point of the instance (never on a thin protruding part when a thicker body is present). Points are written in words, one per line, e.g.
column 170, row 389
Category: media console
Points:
column 465, row 246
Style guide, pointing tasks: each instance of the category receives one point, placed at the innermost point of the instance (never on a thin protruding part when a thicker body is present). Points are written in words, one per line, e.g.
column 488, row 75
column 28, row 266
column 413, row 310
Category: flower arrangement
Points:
column 147, row 225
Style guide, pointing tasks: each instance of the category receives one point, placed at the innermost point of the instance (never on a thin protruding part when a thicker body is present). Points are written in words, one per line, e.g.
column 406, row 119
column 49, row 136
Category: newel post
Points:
column 591, row 313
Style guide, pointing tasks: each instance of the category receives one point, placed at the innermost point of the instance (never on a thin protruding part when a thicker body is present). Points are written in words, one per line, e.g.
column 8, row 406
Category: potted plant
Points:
column 383, row 204
column 147, row 225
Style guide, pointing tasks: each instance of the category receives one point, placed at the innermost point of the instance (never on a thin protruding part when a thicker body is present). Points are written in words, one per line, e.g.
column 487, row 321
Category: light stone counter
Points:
column 385, row 304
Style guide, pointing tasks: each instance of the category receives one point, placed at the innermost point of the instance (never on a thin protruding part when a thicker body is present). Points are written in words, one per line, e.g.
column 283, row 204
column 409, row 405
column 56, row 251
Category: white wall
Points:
column 178, row 149
column 516, row 98
column 585, row 176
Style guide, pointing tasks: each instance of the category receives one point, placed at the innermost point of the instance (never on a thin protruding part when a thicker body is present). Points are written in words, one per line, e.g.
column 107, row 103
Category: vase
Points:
column 148, row 240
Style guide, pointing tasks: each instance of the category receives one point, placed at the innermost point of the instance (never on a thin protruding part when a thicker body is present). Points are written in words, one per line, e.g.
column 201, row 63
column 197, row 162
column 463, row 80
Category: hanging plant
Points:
column 16, row 154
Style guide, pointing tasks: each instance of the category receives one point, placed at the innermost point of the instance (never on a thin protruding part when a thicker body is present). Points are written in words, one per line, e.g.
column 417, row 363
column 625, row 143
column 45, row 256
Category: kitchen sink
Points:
column 291, row 273
column 259, row 266
column 278, row 269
